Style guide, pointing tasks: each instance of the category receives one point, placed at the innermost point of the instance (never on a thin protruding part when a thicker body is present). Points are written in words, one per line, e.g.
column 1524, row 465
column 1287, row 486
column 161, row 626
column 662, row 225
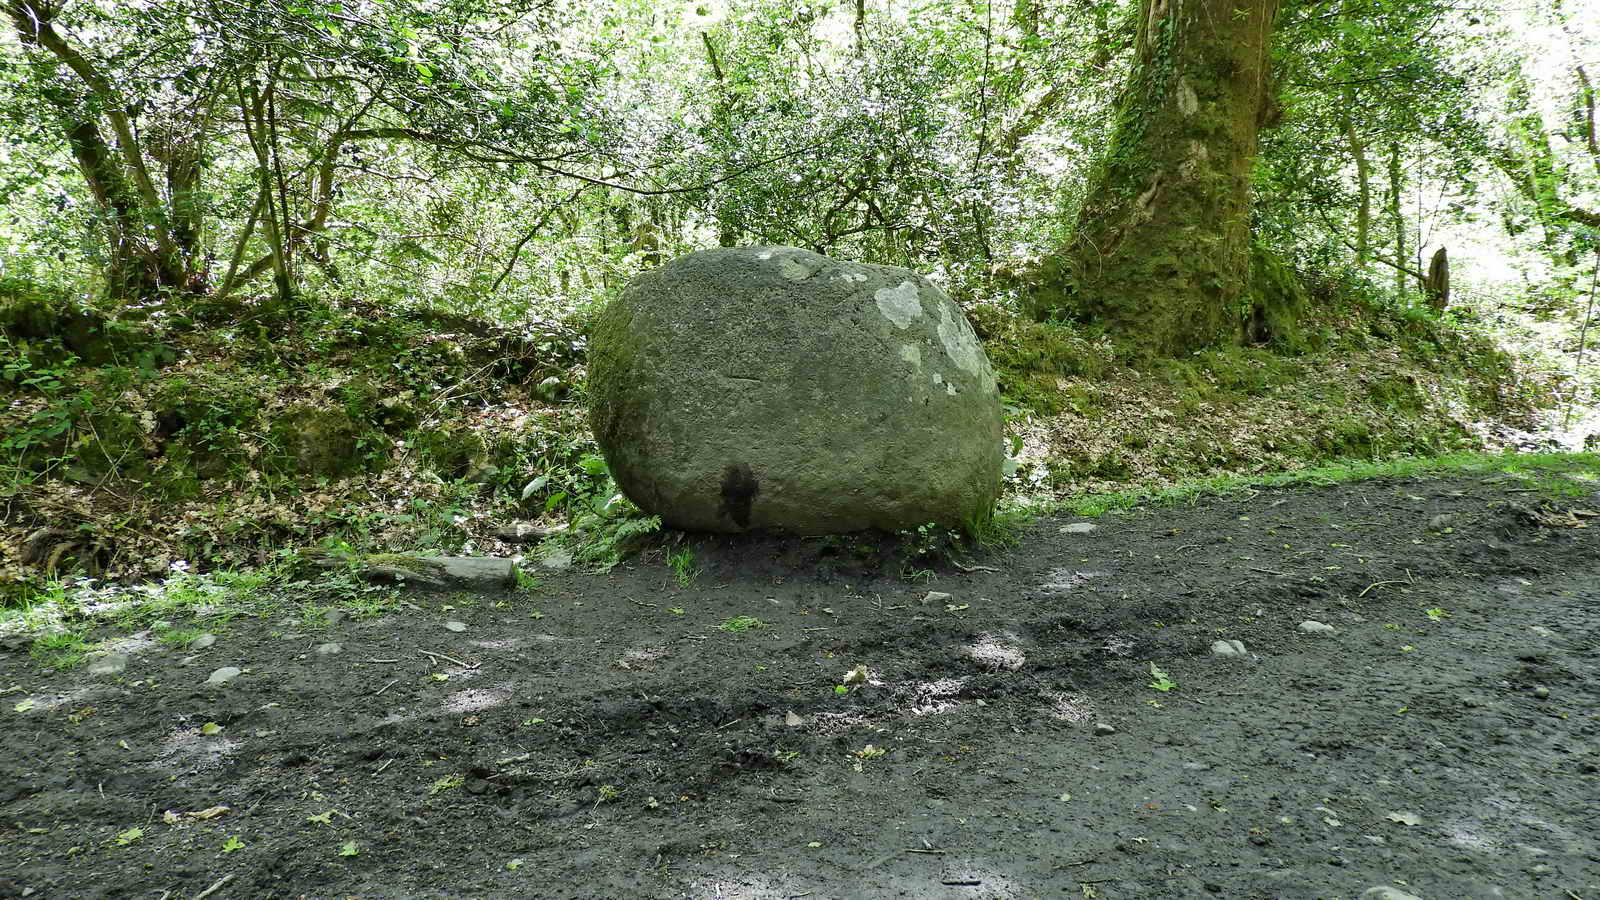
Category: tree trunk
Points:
column 1358, row 150
column 1161, row 250
column 1436, row 284
column 143, row 256
column 1397, row 217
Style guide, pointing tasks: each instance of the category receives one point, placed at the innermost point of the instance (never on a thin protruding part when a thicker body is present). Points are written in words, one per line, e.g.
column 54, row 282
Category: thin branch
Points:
column 538, row 226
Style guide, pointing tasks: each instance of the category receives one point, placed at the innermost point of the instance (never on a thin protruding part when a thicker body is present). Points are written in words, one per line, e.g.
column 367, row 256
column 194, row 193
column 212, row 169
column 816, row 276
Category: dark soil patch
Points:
column 624, row 746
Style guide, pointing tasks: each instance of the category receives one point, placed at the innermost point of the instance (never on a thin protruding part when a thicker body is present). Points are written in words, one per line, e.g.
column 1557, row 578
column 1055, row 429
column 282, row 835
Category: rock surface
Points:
column 772, row 388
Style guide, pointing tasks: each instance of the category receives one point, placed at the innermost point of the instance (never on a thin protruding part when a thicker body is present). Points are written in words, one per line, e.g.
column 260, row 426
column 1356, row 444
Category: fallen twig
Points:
column 385, row 687
column 1379, row 584
column 962, row 882
column 931, row 852
column 216, row 886
column 449, row 659
column 384, row 661
column 973, row 568
column 1270, row 572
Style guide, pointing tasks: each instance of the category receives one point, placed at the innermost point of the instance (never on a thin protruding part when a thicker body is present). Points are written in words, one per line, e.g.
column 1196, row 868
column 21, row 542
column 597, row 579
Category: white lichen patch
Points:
column 1075, row 708
column 901, row 305
column 934, row 697
column 797, row 269
column 765, row 254
column 1188, row 101
column 912, row 354
column 852, row 277
column 475, row 699
column 997, row 653
column 641, row 657
column 962, row 346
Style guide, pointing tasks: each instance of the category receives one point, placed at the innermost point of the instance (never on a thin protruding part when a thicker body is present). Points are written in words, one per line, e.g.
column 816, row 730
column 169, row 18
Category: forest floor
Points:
column 792, row 721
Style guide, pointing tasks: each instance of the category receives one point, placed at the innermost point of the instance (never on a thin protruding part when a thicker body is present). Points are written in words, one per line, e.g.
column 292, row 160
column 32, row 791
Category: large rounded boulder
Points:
column 772, row 388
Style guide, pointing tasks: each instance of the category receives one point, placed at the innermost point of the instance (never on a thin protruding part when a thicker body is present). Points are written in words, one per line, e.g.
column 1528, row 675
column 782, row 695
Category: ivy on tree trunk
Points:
column 1161, row 250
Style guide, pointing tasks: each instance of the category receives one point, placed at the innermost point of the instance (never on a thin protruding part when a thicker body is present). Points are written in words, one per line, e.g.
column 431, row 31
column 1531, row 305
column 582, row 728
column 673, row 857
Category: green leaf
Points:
column 233, row 843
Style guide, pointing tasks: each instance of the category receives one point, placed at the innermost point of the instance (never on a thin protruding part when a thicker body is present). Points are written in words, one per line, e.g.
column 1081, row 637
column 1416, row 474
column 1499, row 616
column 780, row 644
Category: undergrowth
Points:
column 1558, row 477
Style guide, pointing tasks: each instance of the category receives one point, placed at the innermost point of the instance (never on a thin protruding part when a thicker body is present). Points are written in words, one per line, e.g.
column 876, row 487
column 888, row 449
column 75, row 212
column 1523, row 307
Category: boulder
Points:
column 747, row 388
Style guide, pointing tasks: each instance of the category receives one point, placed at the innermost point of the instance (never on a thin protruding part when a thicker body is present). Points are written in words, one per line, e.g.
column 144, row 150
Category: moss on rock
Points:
column 320, row 440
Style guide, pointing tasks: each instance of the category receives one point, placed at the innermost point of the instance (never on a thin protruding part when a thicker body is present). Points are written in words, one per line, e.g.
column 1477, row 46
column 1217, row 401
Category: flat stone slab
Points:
column 527, row 532
column 475, row 571
column 470, row 572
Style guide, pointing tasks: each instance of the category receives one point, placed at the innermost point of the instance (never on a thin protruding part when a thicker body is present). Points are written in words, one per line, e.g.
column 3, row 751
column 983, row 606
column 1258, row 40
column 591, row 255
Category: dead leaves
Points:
column 173, row 817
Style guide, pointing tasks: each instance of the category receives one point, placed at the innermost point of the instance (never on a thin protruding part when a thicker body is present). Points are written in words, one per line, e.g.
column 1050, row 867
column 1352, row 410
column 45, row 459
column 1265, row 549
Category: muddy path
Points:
column 797, row 722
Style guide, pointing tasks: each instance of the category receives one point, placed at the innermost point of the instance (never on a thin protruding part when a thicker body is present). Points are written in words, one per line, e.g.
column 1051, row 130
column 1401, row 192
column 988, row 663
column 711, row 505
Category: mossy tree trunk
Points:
column 1161, row 250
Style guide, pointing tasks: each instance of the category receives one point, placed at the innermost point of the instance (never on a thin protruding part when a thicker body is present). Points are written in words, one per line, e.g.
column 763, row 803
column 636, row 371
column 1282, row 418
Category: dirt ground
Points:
column 620, row 736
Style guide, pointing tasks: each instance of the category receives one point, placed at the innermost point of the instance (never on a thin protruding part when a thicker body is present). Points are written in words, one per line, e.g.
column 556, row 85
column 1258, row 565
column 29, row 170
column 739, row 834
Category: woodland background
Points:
column 277, row 272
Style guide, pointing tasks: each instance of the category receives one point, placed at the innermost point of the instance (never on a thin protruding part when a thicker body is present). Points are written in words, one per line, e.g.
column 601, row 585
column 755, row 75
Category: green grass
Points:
column 683, row 567
column 737, row 624
column 1003, row 528
column 59, row 616
column 178, row 637
column 1560, row 477
column 60, row 649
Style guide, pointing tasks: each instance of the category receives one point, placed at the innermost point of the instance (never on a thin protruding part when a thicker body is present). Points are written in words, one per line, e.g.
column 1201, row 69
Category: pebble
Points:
column 1101, row 728
column 1078, row 528
column 1384, row 892
column 455, row 626
column 329, row 649
column 1542, row 631
column 1541, row 692
column 203, row 641
column 1227, row 648
column 110, row 664
column 1312, row 626
column 1441, row 522
column 224, row 674
column 934, row 597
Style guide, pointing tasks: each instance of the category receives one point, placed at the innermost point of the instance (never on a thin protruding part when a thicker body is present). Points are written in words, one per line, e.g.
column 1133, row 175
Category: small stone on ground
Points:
column 1384, row 892
column 1228, row 648
column 110, row 664
column 1312, row 626
column 224, row 674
